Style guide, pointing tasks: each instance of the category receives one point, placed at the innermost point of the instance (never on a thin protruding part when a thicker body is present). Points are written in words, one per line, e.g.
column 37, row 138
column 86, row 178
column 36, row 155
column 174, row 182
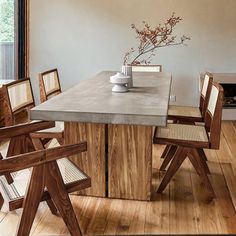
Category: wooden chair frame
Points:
column 181, row 149
column 44, row 96
column 45, row 173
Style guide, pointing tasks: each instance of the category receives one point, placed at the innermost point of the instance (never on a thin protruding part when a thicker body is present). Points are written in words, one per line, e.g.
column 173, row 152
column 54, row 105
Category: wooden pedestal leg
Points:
column 130, row 162
column 202, row 170
column 178, row 159
column 32, row 200
column 58, row 193
column 168, row 157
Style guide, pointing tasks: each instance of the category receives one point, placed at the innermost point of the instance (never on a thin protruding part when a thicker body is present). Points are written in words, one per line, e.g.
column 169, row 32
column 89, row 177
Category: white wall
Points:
column 83, row 37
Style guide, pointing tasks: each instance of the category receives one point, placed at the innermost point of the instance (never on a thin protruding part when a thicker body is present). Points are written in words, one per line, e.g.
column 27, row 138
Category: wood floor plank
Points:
column 224, row 205
column 230, row 179
column 182, row 217
column 126, row 219
column 204, row 206
column 157, row 214
column 139, row 219
column 99, row 220
column 113, row 217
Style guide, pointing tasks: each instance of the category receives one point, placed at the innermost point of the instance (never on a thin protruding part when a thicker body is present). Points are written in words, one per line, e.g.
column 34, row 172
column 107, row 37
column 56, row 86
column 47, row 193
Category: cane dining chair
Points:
column 18, row 97
column 190, row 140
column 52, row 177
column 49, row 84
column 189, row 115
column 186, row 114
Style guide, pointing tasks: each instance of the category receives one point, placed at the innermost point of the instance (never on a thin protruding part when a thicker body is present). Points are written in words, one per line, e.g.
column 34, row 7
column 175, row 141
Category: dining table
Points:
column 118, row 129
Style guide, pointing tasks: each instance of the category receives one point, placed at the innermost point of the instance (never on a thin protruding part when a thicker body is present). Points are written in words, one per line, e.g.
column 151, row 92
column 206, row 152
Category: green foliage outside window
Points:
column 6, row 20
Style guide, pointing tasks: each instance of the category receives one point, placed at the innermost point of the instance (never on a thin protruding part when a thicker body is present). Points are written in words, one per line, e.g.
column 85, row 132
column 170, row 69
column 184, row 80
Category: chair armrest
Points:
column 24, row 161
column 17, row 130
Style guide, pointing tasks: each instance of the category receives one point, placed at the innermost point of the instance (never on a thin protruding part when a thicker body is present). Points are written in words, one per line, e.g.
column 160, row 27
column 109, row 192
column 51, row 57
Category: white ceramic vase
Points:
column 127, row 70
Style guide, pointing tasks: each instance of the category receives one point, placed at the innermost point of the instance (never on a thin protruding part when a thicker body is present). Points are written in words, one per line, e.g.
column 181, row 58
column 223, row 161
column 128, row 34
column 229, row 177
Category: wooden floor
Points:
column 184, row 208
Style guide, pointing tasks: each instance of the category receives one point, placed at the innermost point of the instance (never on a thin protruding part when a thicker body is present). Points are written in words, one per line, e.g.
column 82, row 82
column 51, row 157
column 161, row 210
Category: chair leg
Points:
column 7, row 176
column 168, row 157
column 203, row 172
column 52, row 206
column 59, row 195
column 60, row 141
column 31, row 201
column 178, row 159
column 202, row 154
column 165, row 152
column 1, row 201
column 38, row 145
column 194, row 162
column 204, row 160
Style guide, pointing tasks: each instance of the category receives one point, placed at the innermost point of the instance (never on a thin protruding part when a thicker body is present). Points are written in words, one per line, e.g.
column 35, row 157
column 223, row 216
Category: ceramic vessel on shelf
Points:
column 120, row 81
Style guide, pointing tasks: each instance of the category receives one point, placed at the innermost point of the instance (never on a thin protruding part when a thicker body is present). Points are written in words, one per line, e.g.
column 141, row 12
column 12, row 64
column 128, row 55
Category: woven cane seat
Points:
column 182, row 132
column 184, row 111
column 70, row 174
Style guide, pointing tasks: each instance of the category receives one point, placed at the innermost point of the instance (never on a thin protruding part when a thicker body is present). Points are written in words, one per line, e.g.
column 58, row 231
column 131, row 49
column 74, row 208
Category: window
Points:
column 13, row 39
column 7, row 40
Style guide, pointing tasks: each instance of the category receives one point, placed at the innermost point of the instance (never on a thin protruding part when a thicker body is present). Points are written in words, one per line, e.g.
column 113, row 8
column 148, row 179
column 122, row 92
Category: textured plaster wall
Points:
column 83, row 37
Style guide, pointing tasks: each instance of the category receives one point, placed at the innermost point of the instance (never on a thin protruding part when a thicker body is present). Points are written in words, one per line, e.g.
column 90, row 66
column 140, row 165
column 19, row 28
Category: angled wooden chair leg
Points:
column 178, row 159
column 194, row 163
column 32, row 200
column 52, row 207
column 203, row 172
column 7, row 175
column 202, row 154
column 59, row 195
column 166, row 150
column 204, row 158
column 1, row 201
column 60, row 141
column 38, row 145
column 168, row 157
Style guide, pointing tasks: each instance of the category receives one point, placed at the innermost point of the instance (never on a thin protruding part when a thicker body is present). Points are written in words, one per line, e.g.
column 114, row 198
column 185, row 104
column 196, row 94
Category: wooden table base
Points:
column 129, row 162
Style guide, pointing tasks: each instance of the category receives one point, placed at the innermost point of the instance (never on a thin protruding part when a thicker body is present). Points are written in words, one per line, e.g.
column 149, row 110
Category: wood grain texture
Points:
column 185, row 207
column 129, row 161
column 93, row 161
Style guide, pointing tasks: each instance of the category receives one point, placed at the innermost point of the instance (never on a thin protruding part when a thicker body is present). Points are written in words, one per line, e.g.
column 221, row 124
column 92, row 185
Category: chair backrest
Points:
column 205, row 92
column 18, row 96
column 146, row 68
column 213, row 114
column 49, row 84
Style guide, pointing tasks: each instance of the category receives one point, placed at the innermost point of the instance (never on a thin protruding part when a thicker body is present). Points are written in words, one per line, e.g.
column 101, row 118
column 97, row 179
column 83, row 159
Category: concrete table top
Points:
column 93, row 101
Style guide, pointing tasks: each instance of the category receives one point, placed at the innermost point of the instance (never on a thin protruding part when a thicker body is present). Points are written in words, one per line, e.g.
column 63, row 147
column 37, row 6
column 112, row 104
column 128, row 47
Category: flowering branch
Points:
column 151, row 39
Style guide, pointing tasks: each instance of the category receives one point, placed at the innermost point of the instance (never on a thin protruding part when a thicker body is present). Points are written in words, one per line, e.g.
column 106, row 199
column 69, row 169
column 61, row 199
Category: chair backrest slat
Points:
column 213, row 114
column 205, row 92
column 146, row 68
column 18, row 96
column 49, row 84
